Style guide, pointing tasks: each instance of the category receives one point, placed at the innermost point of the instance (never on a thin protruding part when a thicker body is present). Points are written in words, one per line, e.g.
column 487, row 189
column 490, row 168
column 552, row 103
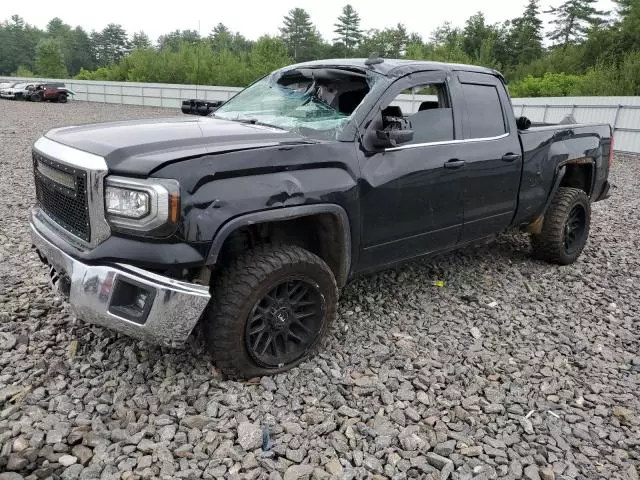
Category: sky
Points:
column 254, row 18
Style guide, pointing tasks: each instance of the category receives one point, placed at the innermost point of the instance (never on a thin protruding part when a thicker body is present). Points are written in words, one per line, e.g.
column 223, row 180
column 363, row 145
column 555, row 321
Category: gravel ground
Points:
column 512, row 369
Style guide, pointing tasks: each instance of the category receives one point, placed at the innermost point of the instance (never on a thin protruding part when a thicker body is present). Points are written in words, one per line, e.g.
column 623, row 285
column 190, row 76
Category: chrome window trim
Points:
column 448, row 142
column 159, row 191
column 96, row 168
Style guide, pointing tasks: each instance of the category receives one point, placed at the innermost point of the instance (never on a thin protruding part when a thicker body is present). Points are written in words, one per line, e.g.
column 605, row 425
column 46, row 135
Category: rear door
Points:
column 492, row 155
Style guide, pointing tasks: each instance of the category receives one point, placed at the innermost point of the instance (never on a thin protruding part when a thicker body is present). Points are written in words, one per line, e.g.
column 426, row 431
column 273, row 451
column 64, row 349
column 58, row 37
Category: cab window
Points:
column 484, row 111
column 427, row 109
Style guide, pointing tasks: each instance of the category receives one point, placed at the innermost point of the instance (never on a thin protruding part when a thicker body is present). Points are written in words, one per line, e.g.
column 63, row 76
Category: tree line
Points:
column 587, row 52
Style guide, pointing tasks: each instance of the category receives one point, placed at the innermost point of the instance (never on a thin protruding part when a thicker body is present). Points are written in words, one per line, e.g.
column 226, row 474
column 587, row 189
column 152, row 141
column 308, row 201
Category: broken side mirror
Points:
column 386, row 132
column 393, row 138
column 200, row 107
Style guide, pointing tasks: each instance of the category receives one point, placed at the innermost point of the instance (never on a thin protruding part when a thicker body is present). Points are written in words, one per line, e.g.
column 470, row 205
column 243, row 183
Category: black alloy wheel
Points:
column 285, row 322
column 565, row 228
column 269, row 310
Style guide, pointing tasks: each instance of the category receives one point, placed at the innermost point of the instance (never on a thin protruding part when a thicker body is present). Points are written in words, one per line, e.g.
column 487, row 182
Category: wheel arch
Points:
column 341, row 265
column 574, row 172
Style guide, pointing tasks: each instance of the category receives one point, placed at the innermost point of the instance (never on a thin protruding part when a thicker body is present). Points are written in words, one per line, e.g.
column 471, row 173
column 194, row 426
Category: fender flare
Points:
column 561, row 172
column 556, row 184
column 282, row 214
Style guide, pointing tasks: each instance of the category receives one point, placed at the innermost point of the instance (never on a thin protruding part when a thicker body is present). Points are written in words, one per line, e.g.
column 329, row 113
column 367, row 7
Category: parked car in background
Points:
column 4, row 85
column 18, row 91
column 53, row 92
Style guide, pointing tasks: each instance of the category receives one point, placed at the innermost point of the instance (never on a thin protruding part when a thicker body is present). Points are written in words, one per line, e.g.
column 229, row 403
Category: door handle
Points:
column 454, row 163
column 510, row 157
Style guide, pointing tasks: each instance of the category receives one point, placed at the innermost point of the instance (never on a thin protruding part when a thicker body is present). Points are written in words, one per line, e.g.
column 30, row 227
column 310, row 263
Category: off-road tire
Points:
column 241, row 285
column 62, row 98
column 36, row 97
column 549, row 244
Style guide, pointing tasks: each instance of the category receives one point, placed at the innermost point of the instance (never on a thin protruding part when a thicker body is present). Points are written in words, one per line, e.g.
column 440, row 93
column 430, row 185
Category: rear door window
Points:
column 484, row 111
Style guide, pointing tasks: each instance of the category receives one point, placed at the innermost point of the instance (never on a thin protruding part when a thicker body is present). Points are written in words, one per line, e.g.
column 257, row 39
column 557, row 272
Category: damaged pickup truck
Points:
column 249, row 220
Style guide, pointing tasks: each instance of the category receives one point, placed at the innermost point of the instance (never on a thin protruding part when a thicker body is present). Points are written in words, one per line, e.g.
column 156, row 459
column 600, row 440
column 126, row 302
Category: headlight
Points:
column 128, row 203
column 142, row 205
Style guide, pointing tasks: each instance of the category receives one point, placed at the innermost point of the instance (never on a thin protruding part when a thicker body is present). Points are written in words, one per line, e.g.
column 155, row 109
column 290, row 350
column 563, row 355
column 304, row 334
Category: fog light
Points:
column 131, row 300
column 141, row 300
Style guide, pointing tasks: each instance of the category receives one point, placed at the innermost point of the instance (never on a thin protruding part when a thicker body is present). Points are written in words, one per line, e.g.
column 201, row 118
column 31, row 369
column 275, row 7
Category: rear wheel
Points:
column 270, row 309
column 36, row 97
column 565, row 228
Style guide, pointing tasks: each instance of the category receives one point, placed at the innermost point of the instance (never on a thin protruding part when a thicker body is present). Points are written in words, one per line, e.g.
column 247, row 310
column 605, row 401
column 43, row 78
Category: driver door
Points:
column 412, row 194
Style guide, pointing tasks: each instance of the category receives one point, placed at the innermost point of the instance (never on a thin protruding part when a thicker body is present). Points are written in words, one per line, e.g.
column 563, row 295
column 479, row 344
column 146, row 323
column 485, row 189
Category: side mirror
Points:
column 523, row 123
column 200, row 107
column 393, row 138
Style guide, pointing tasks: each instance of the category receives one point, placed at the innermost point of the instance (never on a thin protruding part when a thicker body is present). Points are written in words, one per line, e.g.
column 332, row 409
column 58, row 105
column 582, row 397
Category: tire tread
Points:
column 230, row 292
column 548, row 245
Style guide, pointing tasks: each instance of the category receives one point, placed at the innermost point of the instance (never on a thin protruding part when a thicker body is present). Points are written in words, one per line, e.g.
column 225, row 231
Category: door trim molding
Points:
column 447, row 142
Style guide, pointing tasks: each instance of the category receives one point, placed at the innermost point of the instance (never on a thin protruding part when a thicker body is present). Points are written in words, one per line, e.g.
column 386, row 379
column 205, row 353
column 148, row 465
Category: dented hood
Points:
column 137, row 147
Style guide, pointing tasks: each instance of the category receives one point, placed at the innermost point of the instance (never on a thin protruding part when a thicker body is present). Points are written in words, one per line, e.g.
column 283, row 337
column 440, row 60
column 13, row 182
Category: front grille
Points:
column 65, row 200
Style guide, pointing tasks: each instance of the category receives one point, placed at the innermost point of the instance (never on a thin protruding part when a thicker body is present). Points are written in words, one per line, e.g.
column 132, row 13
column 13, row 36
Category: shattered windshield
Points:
column 314, row 102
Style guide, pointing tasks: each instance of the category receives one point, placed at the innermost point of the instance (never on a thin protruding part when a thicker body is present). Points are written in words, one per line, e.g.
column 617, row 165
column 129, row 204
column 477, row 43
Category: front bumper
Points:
column 172, row 311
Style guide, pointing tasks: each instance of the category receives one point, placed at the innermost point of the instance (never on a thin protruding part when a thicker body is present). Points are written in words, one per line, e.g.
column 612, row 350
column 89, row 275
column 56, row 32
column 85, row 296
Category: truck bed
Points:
column 548, row 148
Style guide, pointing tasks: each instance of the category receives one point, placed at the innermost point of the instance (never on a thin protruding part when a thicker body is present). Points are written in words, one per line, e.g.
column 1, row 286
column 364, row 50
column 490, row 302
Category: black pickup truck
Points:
column 249, row 220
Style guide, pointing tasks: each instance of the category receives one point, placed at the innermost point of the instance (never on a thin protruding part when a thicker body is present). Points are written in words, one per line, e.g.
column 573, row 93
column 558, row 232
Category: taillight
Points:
column 611, row 153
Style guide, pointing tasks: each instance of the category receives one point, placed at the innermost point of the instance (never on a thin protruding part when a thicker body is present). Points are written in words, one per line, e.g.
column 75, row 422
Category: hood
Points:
column 138, row 147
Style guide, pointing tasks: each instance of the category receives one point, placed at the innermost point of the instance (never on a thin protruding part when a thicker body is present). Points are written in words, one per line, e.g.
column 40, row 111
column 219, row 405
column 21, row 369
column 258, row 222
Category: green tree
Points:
column 447, row 44
column 389, row 43
column 399, row 40
column 525, row 36
column 140, row 40
column 347, row 29
column 81, row 53
column 299, row 35
column 110, row 45
column 573, row 19
column 18, row 42
column 50, row 59
column 267, row 54
column 174, row 40
column 475, row 32
column 624, row 36
column 57, row 28
column 23, row 72
column 447, row 35
column 220, row 38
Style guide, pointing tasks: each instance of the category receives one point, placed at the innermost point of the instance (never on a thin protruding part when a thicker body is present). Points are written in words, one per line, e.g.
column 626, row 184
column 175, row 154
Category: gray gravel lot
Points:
column 513, row 369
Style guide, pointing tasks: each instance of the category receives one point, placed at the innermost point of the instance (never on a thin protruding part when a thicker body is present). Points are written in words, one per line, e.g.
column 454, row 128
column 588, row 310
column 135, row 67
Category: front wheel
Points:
column 270, row 309
column 565, row 228
column 62, row 98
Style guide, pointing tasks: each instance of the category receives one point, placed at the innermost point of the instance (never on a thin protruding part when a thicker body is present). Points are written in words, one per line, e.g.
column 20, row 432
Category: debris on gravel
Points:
column 512, row 369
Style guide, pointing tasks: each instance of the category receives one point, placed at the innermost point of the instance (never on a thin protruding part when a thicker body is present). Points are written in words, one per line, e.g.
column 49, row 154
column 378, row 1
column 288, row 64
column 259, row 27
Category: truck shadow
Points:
column 457, row 270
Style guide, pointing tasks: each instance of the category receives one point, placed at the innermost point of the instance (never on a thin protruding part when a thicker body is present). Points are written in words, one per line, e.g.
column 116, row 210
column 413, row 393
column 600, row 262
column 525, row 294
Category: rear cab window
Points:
column 485, row 116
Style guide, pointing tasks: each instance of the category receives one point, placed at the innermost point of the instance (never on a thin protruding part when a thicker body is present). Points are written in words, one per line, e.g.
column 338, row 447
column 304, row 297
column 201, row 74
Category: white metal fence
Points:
column 135, row 93
column 622, row 113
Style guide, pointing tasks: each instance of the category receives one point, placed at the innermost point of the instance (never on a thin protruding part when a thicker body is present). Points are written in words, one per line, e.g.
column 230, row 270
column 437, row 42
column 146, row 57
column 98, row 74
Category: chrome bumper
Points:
column 174, row 307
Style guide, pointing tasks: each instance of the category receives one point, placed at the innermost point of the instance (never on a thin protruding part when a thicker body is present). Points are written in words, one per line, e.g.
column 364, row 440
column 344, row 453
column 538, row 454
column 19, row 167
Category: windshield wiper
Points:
column 255, row 121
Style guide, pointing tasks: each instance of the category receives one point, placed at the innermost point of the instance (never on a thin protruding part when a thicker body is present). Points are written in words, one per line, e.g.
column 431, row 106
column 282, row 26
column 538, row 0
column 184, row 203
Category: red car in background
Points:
column 54, row 92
